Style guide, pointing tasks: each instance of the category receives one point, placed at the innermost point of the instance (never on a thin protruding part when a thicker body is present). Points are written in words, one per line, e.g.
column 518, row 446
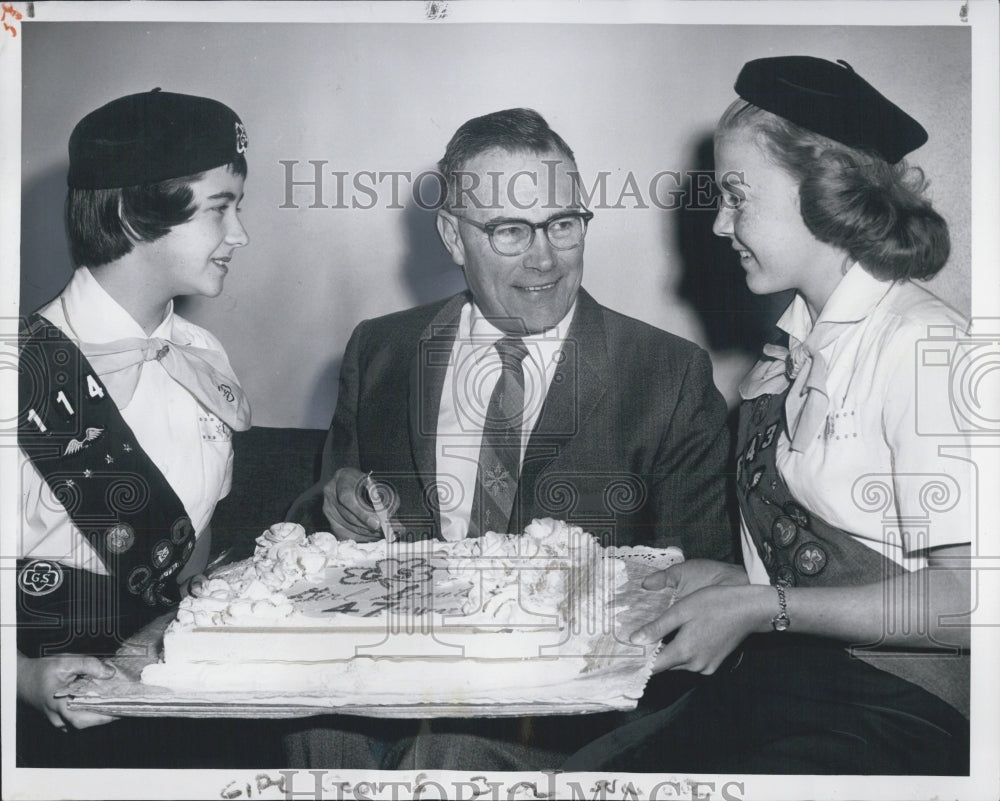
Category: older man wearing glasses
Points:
column 523, row 397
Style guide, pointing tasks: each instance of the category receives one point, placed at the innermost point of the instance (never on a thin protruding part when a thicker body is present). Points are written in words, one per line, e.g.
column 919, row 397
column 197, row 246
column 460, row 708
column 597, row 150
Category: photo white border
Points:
column 981, row 15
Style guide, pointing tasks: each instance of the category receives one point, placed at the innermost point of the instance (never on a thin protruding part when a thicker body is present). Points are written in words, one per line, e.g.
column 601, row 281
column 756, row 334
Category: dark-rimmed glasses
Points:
column 514, row 237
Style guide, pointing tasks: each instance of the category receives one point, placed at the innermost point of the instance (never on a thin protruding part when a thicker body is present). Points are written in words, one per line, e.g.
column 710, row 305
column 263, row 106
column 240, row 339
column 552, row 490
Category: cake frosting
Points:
column 495, row 618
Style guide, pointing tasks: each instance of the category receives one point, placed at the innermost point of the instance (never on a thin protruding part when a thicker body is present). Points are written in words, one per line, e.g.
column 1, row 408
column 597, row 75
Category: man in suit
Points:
column 520, row 398
column 622, row 430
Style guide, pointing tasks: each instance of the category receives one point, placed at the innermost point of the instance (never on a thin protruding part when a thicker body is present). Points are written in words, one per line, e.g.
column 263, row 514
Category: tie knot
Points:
column 154, row 350
column 512, row 351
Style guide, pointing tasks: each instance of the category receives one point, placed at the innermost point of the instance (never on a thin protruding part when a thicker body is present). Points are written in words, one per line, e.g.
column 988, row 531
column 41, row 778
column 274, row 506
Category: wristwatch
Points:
column 781, row 621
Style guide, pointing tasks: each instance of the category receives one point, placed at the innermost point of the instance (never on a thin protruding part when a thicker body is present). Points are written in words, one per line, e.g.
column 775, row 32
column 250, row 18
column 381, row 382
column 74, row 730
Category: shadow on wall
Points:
column 712, row 281
column 428, row 271
column 43, row 233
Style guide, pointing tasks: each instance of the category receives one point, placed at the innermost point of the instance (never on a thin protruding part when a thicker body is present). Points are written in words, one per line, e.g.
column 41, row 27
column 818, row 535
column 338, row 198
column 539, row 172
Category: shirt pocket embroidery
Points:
column 842, row 424
column 213, row 429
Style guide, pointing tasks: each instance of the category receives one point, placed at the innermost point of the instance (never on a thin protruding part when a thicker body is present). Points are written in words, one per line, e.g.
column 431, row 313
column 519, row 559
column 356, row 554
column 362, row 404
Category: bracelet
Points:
column 781, row 622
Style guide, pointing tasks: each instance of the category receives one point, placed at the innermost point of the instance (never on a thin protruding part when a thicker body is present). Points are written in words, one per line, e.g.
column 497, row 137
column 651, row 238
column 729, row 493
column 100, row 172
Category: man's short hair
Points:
column 516, row 130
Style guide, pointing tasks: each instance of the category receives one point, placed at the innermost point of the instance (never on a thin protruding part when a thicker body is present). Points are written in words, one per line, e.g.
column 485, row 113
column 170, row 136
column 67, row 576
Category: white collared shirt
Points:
column 190, row 445
column 888, row 464
column 473, row 371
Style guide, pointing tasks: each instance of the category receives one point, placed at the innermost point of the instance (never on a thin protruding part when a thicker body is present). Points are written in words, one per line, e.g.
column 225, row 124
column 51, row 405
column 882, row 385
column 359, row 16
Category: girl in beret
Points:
column 831, row 650
column 127, row 409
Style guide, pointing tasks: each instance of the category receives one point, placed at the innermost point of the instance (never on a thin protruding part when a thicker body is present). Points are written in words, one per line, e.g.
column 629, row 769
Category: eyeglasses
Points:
column 514, row 237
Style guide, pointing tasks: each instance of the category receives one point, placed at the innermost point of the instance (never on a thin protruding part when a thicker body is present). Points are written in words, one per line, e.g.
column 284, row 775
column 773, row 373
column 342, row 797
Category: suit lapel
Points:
column 426, row 385
column 581, row 380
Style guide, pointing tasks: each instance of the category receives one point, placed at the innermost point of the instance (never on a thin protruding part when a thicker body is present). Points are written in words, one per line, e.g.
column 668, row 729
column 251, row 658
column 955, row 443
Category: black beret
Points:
column 150, row 137
column 832, row 100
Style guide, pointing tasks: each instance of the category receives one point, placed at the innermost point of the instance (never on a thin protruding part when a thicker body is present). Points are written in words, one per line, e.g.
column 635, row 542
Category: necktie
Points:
column 204, row 373
column 500, row 453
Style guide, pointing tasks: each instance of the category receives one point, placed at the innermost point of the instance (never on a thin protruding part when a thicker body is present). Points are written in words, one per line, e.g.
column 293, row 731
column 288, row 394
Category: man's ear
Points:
column 447, row 225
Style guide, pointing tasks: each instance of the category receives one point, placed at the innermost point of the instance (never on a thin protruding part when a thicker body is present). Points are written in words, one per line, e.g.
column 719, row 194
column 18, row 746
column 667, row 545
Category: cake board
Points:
column 616, row 685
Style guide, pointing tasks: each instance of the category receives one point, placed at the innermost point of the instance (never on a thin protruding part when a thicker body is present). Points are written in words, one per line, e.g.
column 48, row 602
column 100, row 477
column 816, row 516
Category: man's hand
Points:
column 346, row 506
column 42, row 683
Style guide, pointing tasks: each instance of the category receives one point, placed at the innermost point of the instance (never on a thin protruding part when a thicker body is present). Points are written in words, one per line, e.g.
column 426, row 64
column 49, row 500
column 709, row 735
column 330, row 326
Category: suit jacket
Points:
column 631, row 443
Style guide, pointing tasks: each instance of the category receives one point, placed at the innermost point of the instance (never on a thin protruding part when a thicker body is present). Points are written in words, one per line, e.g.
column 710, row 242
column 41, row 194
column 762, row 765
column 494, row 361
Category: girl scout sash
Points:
column 799, row 548
column 75, row 436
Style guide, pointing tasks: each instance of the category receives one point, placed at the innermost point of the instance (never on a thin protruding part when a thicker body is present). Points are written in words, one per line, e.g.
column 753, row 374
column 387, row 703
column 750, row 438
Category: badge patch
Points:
column 766, row 553
column 810, row 559
column 797, row 513
column 171, row 570
column 77, row 445
column 785, row 576
column 153, row 595
column 40, row 578
column 138, row 579
column 242, row 140
column 784, row 531
column 161, row 554
column 181, row 530
column 120, row 538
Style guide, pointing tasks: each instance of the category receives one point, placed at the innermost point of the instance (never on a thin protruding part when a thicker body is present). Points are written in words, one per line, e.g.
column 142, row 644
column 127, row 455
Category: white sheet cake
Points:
column 499, row 618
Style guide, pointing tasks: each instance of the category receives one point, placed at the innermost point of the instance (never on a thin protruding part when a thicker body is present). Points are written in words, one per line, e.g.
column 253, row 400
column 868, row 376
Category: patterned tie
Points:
column 500, row 453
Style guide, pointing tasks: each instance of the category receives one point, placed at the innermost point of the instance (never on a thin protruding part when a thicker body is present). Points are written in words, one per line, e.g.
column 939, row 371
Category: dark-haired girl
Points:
column 832, row 651
column 127, row 409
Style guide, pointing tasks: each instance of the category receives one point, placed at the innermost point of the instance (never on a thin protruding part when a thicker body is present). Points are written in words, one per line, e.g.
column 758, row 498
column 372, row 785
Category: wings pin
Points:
column 76, row 445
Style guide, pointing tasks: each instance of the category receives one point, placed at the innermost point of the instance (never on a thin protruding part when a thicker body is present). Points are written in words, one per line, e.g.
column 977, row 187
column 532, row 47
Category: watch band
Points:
column 781, row 621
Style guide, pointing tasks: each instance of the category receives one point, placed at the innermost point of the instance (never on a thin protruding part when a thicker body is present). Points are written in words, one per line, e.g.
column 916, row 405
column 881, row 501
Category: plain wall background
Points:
column 636, row 99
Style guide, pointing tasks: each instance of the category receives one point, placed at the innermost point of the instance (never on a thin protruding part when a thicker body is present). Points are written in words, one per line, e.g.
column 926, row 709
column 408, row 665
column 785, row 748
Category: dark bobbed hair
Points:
column 103, row 224
column 516, row 130
column 853, row 199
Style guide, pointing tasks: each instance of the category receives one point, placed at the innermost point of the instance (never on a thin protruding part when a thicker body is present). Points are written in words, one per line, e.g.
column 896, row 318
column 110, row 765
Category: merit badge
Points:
column 161, row 553
column 181, row 530
column 766, row 553
column 797, row 513
column 153, row 595
column 120, row 538
column 810, row 559
column 40, row 578
column 138, row 579
column 784, row 531
column 785, row 576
